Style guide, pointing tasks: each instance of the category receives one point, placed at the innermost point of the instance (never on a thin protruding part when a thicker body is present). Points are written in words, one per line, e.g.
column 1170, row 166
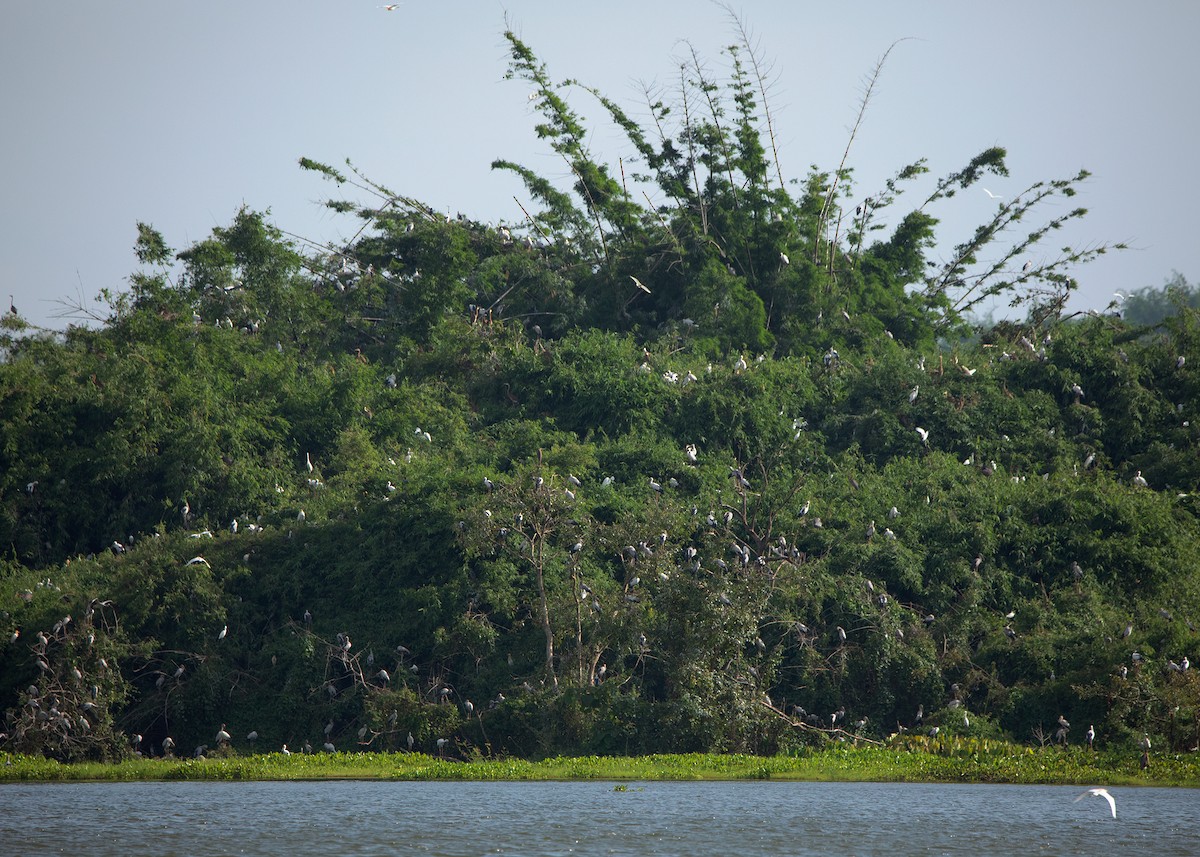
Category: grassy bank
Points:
column 961, row 761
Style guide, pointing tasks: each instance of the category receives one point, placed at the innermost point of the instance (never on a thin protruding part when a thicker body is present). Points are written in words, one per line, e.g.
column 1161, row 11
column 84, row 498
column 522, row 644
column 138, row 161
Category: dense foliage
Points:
column 725, row 473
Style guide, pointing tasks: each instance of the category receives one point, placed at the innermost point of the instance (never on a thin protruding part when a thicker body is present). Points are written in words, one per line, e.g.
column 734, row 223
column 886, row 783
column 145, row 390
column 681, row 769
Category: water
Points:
column 590, row 818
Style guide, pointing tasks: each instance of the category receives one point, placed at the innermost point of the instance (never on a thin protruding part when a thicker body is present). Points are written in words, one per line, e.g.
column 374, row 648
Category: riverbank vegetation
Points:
column 965, row 761
column 727, row 471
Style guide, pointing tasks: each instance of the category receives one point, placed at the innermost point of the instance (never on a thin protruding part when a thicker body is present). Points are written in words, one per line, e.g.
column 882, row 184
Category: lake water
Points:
column 709, row 818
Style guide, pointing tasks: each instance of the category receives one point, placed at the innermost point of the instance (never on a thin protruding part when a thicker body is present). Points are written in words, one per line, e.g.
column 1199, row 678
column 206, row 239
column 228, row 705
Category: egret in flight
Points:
column 1112, row 804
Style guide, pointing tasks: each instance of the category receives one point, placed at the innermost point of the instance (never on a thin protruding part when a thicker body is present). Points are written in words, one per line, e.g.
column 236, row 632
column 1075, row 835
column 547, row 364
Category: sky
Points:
column 179, row 113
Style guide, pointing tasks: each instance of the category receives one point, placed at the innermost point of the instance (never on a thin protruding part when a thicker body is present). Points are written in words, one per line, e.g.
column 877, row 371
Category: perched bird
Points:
column 1090, row 736
column 224, row 632
column 1112, row 804
column 1139, row 480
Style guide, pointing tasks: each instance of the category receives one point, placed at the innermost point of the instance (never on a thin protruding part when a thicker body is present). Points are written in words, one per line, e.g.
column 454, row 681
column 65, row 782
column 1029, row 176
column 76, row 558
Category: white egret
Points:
column 639, row 284
column 924, row 435
column 223, row 633
column 992, row 195
column 1139, row 480
column 783, row 257
column 1112, row 804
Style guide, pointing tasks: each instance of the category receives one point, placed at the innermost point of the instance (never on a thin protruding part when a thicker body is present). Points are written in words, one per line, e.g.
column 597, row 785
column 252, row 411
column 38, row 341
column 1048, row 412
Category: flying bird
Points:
column 1112, row 804
column 924, row 433
column 639, row 284
column 992, row 195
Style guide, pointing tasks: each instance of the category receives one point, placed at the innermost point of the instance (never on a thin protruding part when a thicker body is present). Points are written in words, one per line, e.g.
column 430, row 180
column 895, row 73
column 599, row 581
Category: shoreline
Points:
column 967, row 762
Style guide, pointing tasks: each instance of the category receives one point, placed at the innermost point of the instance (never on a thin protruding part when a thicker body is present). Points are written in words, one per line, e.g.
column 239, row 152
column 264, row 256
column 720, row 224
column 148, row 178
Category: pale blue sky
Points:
column 177, row 113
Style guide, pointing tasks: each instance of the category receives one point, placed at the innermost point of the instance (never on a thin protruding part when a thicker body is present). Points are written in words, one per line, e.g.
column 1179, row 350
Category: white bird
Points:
column 924, row 433
column 639, row 284
column 690, row 450
column 224, row 631
column 992, row 195
column 197, row 560
column 783, row 257
column 913, row 393
column 1112, row 804
column 308, row 465
column 1139, row 480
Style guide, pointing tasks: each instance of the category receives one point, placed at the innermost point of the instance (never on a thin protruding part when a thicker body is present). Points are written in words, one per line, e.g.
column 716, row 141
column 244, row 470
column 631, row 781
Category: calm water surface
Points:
column 710, row 818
